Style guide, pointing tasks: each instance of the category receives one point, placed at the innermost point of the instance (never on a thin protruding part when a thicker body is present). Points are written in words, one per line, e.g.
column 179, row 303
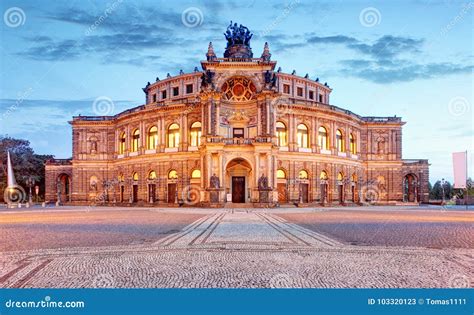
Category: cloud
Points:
column 391, row 71
column 386, row 59
column 127, row 30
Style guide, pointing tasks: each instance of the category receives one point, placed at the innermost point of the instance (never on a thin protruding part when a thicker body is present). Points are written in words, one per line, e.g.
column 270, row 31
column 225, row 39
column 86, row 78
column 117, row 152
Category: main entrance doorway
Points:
column 237, row 181
column 238, row 189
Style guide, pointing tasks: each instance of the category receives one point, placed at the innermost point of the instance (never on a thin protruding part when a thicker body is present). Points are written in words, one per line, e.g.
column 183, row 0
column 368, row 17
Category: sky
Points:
column 412, row 59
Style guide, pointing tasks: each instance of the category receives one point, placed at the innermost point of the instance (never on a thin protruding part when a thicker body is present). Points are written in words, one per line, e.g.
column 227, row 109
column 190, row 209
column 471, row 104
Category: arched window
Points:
column 352, row 142
column 281, row 174
column 172, row 174
column 196, row 174
column 195, row 134
column 340, row 176
column 302, row 136
column 303, row 174
column 152, row 175
column 339, row 141
column 152, row 139
column 135, row 176
column 281, row 134
column 122, row 141
column 323, row 138
column 354, row 178
column 323, row 175
column 121, row 178
column 173, row 136
column 135, row 140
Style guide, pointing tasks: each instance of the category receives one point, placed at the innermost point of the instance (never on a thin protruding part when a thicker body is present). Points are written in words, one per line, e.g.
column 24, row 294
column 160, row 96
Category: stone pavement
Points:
column 239, row 248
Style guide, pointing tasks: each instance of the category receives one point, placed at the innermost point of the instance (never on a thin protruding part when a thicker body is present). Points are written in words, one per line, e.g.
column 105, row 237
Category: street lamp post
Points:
column 30, row 182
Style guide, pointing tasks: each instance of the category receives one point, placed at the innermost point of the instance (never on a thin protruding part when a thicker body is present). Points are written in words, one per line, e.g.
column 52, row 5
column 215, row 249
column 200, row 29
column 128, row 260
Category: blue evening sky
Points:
column 412, row 59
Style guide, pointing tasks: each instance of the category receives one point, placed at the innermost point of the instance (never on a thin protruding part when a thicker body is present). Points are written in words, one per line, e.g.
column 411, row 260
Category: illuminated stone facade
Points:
column 238, row 131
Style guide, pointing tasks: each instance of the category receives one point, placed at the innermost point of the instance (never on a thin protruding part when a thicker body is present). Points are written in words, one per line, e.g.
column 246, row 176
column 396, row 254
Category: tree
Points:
column 436, row 192
column 25, row 163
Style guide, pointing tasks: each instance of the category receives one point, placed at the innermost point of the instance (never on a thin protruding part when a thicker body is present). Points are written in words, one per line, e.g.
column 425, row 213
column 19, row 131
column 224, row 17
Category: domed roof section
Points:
column 238, row 41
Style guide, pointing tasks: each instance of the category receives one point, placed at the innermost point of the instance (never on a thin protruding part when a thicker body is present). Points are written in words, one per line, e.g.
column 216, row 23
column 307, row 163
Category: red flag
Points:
column 460, row 169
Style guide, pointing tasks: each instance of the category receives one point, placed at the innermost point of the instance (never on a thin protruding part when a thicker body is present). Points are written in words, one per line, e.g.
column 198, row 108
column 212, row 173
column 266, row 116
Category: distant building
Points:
column 238, row 131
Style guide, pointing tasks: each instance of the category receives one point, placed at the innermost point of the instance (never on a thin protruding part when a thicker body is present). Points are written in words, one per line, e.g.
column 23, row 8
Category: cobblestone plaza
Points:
column 77, row 247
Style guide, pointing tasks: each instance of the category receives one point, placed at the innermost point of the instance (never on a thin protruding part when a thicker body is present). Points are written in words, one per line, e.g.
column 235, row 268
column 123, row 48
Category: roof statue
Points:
column 238, row 41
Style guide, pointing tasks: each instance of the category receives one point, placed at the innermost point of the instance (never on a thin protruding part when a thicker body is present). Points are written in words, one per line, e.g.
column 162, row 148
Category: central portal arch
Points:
column 238, row 175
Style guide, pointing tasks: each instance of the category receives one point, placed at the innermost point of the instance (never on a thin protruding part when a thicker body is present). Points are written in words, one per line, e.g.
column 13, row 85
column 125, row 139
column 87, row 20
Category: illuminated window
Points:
column 152, row 139
column 303, row 174
column 120, row 178
column 195, row 134
column 172, row 174
column 354, row 178
column 323, row 138
column 281, row 134
column 323, row 175
column 173, row 136
column 196, row 174
column 353, row 145
column 135, row 176
column 135, row 140
column 152, row 175
column 122, row 141
column 302, row 136
column 339, row 141
column 281, row 174
column 340, row 176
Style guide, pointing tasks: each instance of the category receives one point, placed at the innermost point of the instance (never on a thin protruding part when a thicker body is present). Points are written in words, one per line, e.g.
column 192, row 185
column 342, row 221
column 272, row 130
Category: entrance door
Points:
column 304, row 193
column 282, row 198
column 122, row 193
column 341, row 193
column 151, row 193
column 135, row 193
column 238, row 189
column 171, row 193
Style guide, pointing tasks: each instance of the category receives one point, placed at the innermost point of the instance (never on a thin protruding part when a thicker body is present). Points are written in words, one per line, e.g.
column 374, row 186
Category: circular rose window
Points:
column 238, row 89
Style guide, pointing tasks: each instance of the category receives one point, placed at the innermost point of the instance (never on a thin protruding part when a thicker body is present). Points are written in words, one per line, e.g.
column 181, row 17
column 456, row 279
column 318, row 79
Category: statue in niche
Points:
column 214, row 181
column 93, row 186
column 263, row 182
column 380, row 146
column 93, row 146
